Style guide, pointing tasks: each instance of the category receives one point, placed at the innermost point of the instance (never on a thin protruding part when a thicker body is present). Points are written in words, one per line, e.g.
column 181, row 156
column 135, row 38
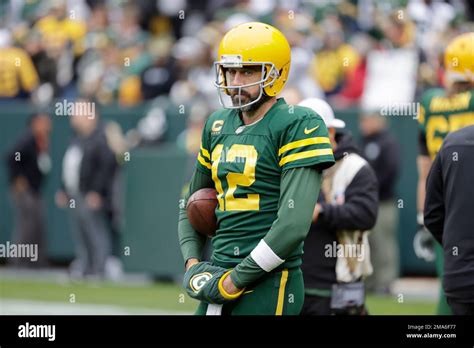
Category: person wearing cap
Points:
column 336, row 253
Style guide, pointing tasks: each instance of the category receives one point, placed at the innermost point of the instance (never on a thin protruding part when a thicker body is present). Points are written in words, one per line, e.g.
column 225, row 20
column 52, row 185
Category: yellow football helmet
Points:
column 459, row 58
column 255, row 44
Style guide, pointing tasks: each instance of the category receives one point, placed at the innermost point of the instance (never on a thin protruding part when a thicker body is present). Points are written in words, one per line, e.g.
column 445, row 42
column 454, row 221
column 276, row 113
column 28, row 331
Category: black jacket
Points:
column 359, row 212
column 98, row 164
column 28, row 165
column 382, row 152
column 449, row 211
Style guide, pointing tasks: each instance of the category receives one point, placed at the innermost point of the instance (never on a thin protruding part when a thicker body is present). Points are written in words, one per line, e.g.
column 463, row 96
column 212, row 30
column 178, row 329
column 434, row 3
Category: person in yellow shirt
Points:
column 333, row 62
column 59, row 28
column 18, row 76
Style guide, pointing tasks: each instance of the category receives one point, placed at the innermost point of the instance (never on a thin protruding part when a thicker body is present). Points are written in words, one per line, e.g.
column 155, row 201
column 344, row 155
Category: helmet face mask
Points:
column 268, row 74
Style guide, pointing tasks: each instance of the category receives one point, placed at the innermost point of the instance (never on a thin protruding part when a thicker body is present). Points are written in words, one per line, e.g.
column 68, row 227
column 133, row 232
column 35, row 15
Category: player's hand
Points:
column 424, row 243
column 229, row 286
column 191, row 262
column 204, row 282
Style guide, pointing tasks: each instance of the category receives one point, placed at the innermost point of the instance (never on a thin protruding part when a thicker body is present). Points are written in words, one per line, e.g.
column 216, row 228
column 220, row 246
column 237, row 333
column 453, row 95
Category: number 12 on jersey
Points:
column 227, row 201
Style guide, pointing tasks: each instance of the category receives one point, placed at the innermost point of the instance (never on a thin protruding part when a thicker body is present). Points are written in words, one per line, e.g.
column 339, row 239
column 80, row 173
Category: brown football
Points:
column 201, row 208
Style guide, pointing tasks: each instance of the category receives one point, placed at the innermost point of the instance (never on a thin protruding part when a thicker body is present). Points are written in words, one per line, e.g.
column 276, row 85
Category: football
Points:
column 201, row 208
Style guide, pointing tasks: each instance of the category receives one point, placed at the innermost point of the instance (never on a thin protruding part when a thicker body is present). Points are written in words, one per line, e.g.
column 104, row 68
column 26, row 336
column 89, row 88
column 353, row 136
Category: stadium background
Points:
column 160, row 93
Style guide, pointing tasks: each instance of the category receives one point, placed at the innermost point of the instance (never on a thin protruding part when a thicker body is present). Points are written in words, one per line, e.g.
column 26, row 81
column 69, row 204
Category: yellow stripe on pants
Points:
column 281, row 292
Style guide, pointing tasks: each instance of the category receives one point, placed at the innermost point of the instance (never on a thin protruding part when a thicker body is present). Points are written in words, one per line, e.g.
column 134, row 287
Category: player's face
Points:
column 240, row 77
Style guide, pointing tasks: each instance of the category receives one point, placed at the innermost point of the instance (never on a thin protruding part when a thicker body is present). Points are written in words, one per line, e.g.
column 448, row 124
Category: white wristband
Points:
column 265, row 257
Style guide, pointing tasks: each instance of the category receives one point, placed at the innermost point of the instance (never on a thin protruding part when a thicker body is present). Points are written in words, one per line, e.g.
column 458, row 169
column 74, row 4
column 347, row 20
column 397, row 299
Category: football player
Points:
column 264, row 158
column 443, row 111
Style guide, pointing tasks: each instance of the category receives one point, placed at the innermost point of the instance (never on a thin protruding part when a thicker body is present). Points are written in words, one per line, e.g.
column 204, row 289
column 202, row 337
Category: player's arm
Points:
column 190, row 241
column 434, row 202
column 299, row 193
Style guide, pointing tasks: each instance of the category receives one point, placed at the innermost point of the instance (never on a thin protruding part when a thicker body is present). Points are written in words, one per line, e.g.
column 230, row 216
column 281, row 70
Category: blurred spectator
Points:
column 59, row 29
column 353, row 87
column 114, row 210
column 346, row 210
column 45, row 64
column 422, row 12
column 88, row 169
column 399, row 31
column 131, row 40
column 62, row 35
column 152, row 127
column 116, row 57
column 190, row 139
column 158, row 78
column 382, row 152
column 100, row 72
column 28, row 162
column 18, row 76
column 195, row 73
column 299, row 32
column 131, row 51
column 336, row 59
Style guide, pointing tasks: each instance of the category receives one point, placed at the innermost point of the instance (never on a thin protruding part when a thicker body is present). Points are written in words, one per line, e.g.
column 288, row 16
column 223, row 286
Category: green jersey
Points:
column 246, row 163
column 440, row 115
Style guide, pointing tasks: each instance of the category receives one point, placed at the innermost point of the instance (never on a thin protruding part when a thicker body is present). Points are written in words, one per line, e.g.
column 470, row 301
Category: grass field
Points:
column 154, row 298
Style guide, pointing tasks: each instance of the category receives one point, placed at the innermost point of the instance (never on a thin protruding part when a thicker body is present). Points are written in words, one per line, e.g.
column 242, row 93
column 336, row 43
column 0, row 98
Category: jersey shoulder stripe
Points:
column 303, row 138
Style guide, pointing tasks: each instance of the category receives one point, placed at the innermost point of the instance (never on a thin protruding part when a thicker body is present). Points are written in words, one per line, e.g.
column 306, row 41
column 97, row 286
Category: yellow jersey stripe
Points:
column 205, row 153
column 203, row 162
column 305, row 154
column 304, row 142
column 281, row 292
